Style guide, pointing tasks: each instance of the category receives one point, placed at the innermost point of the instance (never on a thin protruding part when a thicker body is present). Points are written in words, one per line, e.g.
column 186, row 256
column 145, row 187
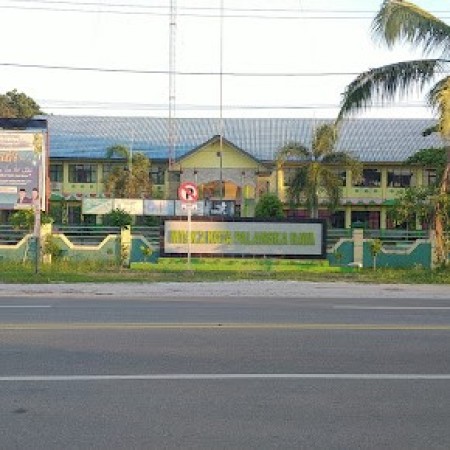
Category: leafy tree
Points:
column 375, row 247
column 24, row 219
column 414, row 203
column 435, row 158
column 133, row 181
column 320, row 166
column 118, row 218
column 400, row 21
column 269, row 206
column 16, row 104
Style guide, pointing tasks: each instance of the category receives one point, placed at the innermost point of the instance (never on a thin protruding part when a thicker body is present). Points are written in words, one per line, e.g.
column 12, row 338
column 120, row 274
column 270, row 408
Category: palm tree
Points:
column 319, row 169
column 400, row 21
column 133, row 181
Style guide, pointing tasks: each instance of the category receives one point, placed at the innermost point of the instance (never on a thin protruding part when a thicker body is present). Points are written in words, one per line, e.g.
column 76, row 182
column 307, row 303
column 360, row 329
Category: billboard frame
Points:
column 322, row 255
column 29, row 126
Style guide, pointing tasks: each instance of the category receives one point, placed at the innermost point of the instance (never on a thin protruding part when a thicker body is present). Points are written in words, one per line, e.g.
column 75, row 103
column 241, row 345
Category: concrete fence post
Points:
column 125, row 246
column 358, row 247
column 46, row 230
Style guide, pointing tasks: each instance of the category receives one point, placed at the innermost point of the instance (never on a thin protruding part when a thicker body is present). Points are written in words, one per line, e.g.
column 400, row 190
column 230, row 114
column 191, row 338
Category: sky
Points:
column 281, row 58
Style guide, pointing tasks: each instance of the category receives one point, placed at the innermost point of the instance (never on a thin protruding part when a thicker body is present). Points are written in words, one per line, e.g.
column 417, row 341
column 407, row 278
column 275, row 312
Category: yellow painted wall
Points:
column 206, row 157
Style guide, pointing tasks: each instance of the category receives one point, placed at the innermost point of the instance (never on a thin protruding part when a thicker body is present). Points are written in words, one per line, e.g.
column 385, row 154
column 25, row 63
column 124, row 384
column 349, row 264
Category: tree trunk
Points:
column 439, row 221
column 315, row 207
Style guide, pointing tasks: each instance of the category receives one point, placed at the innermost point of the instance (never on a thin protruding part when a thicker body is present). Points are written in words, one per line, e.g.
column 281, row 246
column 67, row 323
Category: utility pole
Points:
column 221, row 123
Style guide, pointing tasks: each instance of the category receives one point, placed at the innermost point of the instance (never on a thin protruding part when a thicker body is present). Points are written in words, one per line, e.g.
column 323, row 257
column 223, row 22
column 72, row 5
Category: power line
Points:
column 182, row 73
column 185, row 14
column 198, row 15
column 209, row 8
column 111, row 106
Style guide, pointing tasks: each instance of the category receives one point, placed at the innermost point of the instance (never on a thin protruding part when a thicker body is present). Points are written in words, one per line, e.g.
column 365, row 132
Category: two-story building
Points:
column 233, row 172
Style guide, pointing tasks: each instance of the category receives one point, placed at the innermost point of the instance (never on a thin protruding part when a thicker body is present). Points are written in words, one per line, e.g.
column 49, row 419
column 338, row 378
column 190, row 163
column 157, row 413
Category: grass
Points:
column 214, row 270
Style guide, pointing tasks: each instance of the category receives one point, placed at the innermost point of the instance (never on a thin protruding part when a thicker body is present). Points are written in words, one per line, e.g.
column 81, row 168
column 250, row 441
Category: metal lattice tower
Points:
column 172, row 85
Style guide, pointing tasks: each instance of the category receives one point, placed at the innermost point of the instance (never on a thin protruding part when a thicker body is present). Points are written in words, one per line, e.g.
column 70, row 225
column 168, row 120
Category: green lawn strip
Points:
column 223, row 264
column 65, row 272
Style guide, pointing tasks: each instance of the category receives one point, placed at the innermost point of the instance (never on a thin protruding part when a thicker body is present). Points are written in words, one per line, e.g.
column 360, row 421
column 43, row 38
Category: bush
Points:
column 118, row 218
column 269, row 206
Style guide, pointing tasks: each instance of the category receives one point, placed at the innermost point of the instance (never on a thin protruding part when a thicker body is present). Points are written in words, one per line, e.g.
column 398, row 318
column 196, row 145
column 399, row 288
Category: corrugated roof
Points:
column 387, row 140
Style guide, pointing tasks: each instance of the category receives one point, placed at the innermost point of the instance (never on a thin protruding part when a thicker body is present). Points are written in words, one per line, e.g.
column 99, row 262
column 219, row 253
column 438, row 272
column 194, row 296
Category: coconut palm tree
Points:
column 319, row 169
column 399, row 21
column 132, row 181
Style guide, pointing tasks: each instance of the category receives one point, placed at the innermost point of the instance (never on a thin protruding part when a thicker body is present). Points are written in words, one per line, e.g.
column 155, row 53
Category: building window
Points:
column 337, row 219
column 429, row 177
column 366, row 219
column 109, row 168
column 157, row 176
column 82, row 173
column 400, row 178
column 289, row 175
column 370, row 178
column 342, row 175
column 56, row 173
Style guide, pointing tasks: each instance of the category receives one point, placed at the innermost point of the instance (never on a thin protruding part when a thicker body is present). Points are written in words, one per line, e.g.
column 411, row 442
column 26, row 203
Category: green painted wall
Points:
column 136, row 250
column 16, row 253
column 421, row 255
column 343, row 255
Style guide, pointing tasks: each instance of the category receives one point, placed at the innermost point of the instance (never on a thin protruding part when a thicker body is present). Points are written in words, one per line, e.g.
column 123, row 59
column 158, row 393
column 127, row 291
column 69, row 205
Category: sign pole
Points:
column 188, row 194
column 189, row 213
column 37, row 232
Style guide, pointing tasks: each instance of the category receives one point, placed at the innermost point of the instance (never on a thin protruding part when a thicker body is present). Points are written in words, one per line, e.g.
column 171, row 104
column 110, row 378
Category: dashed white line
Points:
column 421, row 308
column 25, row 306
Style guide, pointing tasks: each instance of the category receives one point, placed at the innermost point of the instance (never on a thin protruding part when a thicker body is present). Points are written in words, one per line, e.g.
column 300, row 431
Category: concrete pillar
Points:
column 358, row 246
column 280, row 182
column 348, row 217
column 125, row 246
column 46, row 230
column 383, row 218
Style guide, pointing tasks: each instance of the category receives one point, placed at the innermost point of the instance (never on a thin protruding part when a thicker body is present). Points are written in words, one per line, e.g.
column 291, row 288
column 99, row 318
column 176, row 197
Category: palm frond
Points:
column 331, row 183
column 430, row 130
column 324, row 140
column 293, row 150
column 402, row 21
column 298, row 185
column 343, row 159
column 386, row 83
column 439, row 99
column 120, row 151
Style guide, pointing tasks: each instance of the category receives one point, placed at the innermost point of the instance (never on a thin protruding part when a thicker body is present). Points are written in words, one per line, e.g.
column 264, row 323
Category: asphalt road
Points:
column 224, row 372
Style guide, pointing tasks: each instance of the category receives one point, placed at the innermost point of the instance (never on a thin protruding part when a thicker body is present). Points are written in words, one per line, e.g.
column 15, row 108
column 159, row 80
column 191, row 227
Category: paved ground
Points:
column 235, row 288
column 220, row 366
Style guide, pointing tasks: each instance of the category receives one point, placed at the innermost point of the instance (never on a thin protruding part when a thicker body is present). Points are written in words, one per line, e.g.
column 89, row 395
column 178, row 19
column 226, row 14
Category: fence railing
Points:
column 10, row 235
column 334, row 234
column 85, row 235
column 396, row 239
column 152, row 234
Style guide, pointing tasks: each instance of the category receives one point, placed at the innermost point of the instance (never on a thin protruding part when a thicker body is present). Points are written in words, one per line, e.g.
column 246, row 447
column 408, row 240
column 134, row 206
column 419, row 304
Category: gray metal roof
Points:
column 386, row 140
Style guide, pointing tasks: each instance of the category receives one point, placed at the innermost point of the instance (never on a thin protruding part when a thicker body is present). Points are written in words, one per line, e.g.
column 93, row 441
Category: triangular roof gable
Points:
column 215, row 139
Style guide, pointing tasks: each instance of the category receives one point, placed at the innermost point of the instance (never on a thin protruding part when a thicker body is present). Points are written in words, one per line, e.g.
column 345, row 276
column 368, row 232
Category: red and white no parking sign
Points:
column 188, row 192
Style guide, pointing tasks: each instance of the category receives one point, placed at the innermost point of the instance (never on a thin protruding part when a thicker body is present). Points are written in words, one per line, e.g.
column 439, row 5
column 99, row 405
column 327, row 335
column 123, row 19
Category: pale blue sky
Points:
column 295, row 36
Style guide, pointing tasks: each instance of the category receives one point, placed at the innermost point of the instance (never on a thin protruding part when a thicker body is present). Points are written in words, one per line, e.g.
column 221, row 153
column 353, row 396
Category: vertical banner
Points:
column 22, row 169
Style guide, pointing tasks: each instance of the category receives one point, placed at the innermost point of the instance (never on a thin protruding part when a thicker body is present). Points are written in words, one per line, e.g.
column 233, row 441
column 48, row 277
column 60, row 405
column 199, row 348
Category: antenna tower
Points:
column 172, row 85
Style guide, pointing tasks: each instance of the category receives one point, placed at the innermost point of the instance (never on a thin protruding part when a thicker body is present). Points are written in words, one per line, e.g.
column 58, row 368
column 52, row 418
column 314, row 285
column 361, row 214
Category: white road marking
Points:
column 425, row 308
column 25, row 306
column 231, row 376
